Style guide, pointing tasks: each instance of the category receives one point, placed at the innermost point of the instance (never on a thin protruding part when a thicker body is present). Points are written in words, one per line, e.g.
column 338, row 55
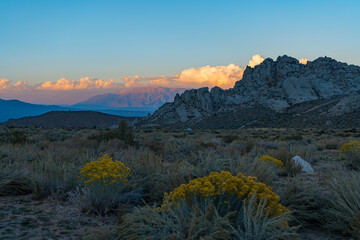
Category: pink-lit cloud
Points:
column 67, row 91
column 84, row 83
column 4, row 83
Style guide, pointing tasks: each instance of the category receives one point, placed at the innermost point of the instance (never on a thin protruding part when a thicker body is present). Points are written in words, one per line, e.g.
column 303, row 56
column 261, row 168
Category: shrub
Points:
column 342, row 213
column 252, row 166
column 14, row 137
column 105, row 182
column 352, row 146
column 274, row 161
column 14, row 182
column 223, row 188
column 304, row 197
column 122, row 132
column 204, row 162
column 285, row 156
column 50, row 176
column 105, row 171
column 204, row 221
column 229, row 138
column 102, row 200
column 351, row 153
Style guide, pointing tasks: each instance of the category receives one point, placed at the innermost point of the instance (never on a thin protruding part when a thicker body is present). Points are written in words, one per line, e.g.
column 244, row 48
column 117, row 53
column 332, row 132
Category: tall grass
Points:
column 250, row 222
column 343, row 198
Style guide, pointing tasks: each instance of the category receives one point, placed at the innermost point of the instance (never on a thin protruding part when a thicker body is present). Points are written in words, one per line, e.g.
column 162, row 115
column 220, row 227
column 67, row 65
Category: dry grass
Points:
column 46, row 163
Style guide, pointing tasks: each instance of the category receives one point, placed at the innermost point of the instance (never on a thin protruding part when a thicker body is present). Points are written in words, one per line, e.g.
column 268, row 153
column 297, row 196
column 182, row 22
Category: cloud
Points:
column 221, row 76
column 207, row 76
column 66, row 91
column 304, row 61
column 62, row 91
column 4, row 83
column 84, row 83
column 256, row 60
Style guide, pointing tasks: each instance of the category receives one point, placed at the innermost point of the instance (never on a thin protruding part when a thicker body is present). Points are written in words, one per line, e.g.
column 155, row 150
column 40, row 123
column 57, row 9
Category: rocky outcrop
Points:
column 348, row 104
column 277, row 85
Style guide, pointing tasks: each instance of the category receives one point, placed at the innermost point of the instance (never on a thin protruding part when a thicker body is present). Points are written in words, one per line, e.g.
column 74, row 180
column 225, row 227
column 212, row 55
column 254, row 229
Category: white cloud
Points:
column 256, row 60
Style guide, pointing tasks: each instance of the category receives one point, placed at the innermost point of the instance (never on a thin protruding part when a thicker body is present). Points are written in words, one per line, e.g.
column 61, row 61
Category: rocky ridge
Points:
column 275, row 85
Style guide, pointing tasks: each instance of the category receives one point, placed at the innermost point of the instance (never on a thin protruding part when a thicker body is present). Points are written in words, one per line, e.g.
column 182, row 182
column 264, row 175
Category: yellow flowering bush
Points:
column 351, row 153
column 106, row 171
column 276, row 162
column 352, row 146
column 224, row 185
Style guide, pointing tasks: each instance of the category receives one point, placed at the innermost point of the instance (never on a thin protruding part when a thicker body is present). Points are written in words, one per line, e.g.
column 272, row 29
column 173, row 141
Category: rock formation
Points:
column 277, row 85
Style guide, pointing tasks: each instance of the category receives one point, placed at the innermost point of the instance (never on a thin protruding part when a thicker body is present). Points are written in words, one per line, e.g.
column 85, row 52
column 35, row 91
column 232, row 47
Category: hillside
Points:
column 17, row 109
column 68, row 119
column 275, row 93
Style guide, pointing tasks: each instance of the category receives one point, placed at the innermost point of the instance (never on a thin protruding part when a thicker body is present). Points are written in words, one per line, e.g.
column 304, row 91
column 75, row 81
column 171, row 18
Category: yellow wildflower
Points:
column 105, row 170
column 276, row 162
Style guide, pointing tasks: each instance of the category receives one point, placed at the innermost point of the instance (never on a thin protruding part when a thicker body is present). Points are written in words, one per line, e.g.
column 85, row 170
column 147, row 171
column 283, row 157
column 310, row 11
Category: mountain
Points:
column 141, row 98
column 68, row 119
column 16, row 109
column 275, row 93
column 13, row 109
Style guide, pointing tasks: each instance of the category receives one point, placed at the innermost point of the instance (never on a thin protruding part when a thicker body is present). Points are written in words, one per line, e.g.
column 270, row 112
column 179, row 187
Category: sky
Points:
column 64, row 51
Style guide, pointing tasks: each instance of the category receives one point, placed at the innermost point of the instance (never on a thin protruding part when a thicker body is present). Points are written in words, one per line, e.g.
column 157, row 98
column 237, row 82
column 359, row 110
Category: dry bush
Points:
column 331, row 144
column 98, row 233
column 291, row 169
column 104, row 200
column 342, row 213
column 147, row 171
column 304, row 197
column 204, row 221
column 252, row 166
column 14, row 182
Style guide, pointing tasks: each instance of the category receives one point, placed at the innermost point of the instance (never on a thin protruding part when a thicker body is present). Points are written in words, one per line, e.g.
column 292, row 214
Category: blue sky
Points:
column 48, row 40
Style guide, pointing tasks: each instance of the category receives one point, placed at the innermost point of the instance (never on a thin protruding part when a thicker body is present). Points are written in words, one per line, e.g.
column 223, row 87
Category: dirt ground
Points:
column 24, row 218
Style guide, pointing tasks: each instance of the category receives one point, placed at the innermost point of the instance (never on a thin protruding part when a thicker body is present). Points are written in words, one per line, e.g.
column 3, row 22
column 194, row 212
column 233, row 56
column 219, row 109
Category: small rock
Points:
column 305, row 166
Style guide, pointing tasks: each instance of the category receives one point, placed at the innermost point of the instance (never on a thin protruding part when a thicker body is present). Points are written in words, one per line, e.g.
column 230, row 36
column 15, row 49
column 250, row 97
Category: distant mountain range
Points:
column 69, row 119
column 17, row 109
column 280, row 93
column 135, row 102
column 142, row 98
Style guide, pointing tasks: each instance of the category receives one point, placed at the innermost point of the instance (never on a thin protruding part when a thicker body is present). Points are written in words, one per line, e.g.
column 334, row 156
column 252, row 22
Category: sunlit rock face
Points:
column 274, row 84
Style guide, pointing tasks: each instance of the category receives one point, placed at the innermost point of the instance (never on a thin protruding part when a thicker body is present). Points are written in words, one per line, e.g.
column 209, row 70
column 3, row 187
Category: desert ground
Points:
column 82, row 183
